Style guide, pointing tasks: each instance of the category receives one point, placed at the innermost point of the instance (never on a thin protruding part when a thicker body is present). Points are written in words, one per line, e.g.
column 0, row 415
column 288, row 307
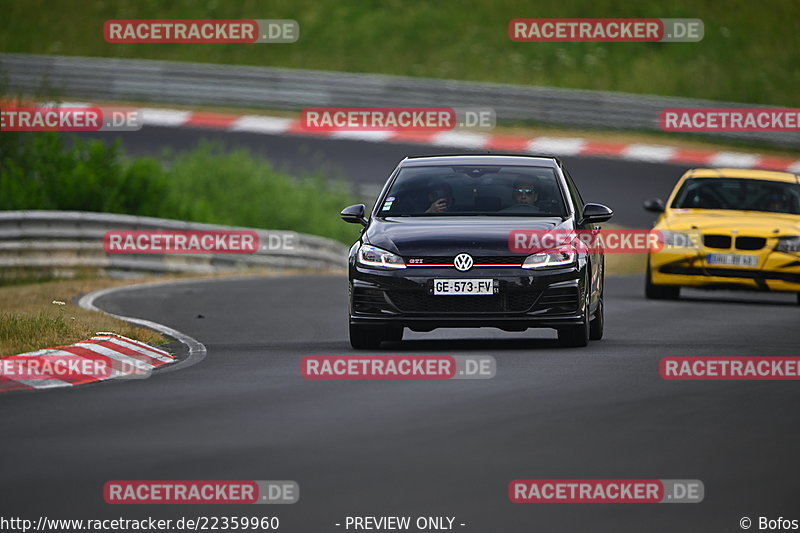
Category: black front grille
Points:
column 717, row 241
column 750, row 243
column 417, row 301
column 559, row 300
column 478, row 259
column 368, row 300
column 498, row 259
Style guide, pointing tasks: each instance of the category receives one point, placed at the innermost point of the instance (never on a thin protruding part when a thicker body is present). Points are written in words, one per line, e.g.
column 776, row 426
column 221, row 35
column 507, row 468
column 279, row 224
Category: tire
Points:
column 393, row 334
column 659, row 292
column 798, row 298
column 364, row 337
column 597, row 323
column 577, row 336
column 574, row 336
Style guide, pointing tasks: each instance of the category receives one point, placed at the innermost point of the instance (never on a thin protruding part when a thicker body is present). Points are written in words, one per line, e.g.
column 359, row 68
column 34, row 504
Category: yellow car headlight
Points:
column 788, row 244
column 676, row 239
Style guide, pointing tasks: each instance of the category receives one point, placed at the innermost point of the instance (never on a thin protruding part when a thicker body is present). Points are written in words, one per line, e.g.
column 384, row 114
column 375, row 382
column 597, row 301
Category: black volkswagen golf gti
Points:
column 438, row 251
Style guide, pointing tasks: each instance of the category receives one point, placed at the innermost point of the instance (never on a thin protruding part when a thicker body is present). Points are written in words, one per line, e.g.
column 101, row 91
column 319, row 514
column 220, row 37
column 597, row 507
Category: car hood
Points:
column 447, row 236
column 755, row 223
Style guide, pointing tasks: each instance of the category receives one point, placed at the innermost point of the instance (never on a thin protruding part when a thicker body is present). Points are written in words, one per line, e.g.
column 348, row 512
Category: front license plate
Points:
column 732, row 260
column 444, row 287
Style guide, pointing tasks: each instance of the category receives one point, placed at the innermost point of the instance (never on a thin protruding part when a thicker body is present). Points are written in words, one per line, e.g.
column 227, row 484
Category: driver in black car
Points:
column 525, row 192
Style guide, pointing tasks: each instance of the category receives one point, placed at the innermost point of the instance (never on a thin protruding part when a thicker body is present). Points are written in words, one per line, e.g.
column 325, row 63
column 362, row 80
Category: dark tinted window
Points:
column 739, row 194
column 577, row 201
column 469, row 190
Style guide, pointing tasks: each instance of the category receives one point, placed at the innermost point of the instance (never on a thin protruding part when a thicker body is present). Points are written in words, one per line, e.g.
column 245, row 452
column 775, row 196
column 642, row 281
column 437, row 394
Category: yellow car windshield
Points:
column 739, row 194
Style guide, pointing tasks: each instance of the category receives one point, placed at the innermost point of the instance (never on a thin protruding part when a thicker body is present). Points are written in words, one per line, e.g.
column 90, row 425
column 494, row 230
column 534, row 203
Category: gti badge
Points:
column 463, row 262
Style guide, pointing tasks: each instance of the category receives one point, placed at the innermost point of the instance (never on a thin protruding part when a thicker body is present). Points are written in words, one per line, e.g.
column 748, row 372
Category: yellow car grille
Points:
column 725, row 242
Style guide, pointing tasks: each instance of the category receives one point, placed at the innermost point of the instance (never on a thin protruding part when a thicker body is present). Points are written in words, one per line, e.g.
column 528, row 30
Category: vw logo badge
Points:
column 463, row 262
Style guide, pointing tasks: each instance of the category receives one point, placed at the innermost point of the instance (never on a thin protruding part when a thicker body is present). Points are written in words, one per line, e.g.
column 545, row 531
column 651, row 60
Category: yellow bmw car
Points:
column 727, row 228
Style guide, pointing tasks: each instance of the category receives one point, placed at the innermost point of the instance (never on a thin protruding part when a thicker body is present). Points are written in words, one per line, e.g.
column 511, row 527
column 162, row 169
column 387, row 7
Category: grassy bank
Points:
column 208, row 184
column 749, row 53
column 29, row 320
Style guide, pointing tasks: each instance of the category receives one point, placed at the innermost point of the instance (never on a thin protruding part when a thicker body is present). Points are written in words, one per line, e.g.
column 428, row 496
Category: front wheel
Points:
column 659, row 292
column 577, row 336
column 364, row 337
column 574, row 336
column 597, row 323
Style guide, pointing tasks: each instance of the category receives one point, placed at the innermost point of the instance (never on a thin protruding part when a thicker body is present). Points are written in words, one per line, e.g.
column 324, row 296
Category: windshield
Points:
column 739, row 194
column 474, row 190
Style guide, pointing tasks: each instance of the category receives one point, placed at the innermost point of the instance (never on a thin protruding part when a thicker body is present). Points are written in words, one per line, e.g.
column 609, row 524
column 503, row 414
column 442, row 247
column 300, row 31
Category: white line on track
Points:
column 197, row 350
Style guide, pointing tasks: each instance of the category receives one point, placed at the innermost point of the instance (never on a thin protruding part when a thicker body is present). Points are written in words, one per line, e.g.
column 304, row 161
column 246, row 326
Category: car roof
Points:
column 769, row 175
column 481, row 159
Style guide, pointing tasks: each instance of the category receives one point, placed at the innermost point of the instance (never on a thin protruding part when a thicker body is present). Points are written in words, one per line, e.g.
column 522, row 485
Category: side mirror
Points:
column 355, row 214
column 596, row 213
column 656, row 205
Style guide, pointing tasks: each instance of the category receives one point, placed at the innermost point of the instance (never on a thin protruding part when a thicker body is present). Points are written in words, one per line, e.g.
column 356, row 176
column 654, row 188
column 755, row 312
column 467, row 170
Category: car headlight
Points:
column 374, row 257
column 788, row 244
column 676, row 239
column 549, row 259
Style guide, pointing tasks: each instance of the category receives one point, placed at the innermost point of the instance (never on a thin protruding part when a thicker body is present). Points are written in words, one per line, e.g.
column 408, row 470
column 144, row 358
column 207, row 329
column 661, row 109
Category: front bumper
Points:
column 775, row 271
column 522, row 299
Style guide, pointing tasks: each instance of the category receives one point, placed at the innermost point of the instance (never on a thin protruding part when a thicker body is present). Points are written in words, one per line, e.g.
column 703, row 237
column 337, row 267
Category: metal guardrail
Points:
column 59, row 243
column 290, row 89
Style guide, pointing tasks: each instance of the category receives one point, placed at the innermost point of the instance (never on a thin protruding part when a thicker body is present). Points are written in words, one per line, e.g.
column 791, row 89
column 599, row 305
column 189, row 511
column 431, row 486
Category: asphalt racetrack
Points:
column 424, row 448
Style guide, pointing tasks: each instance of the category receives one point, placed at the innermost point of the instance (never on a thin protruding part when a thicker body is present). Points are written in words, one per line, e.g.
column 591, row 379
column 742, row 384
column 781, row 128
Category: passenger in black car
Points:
column 440, row 195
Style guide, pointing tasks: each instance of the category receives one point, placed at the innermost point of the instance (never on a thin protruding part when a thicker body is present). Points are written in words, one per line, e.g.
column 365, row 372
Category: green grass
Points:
column 30, row 321
column 208, row 184
column 15, row 327
column 749, row 53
